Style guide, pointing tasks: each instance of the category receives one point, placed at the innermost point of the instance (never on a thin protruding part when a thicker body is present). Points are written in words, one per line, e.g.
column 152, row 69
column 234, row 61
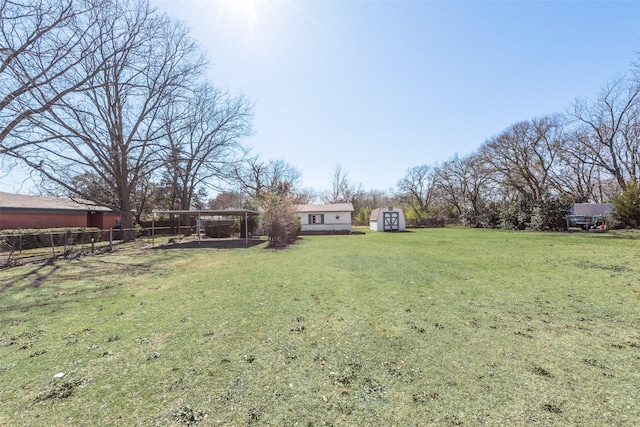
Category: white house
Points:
column 387, row 219
column 325, row 219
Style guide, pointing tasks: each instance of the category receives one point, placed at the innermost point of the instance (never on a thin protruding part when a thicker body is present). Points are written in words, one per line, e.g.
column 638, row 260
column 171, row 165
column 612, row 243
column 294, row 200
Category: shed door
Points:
column 391, row 221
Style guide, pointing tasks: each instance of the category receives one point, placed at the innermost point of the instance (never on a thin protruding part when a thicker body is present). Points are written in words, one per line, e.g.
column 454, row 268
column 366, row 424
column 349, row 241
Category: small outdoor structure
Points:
column 387, row 219
column 325, row 219
column 244, row 214
column 19, row 211
column 588, row 215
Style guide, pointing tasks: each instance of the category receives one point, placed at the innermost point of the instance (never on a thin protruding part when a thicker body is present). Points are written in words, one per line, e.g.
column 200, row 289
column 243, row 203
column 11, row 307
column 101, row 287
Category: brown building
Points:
column 19, row 211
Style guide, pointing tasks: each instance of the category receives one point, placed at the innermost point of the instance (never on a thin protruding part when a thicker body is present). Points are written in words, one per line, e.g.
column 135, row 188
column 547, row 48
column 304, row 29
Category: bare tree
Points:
column 464, row 183
column 227, row 200
column 148, row 195
column 608, row 133
column 417, row 189
column 343, row 190
column 525, row 154
column 112, row 127
column 203, row 133
column 370, row 200
column 258, row 178
column 303, row 196
column 43, row 48
column 339, row 181
column 579, row 178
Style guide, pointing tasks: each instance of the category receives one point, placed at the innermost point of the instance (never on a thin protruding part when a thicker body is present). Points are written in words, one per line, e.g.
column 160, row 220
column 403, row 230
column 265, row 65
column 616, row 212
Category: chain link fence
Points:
column 39, row 246
column 35, row 246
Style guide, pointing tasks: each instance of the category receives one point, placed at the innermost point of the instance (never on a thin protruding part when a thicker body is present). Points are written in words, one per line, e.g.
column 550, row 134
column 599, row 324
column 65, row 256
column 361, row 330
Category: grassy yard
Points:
column 434, row 327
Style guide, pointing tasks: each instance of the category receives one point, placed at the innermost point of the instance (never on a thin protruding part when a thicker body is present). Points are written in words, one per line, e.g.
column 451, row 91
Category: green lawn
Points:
column 430, row 327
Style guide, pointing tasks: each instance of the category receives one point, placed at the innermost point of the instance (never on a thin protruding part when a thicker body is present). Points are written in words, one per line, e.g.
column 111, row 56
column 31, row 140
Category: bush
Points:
column 627, row 206
column 545, row 214
column 280, row 220
column 549, row 214
column 516, row 215
column 486, row 218
column 486, row 215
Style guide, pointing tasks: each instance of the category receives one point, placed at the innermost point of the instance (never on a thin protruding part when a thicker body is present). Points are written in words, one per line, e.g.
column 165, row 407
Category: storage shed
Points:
column 332, row 218
column 387, row 219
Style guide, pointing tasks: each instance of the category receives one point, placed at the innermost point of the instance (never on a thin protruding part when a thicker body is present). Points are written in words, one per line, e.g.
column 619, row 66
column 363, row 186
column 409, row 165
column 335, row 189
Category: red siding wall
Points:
column 14, row 220
column 104, row 220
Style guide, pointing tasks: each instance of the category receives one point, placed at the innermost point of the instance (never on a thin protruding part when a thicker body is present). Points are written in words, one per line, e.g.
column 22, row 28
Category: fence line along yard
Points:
column 35, row 246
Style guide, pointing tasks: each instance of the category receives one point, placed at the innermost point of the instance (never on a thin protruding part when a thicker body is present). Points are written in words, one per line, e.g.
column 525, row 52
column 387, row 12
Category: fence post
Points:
column 111, row 240
column 53, row 248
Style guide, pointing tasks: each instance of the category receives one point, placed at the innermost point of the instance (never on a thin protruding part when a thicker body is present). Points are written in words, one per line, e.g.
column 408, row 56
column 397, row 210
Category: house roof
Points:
column 332, row 207
column 10, row 201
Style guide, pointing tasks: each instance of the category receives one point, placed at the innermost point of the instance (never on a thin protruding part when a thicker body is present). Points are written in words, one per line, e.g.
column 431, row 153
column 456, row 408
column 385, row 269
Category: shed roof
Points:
column 375, row 214
column 28, row 202
column 330, row 207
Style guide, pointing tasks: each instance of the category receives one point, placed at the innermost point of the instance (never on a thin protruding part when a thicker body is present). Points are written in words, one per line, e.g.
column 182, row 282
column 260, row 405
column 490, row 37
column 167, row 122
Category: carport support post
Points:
column 246, row 230
column 198, row 226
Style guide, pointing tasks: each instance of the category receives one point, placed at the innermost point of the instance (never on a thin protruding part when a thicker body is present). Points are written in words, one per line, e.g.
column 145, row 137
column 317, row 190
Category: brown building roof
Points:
column 333, row 207
column 10, row 201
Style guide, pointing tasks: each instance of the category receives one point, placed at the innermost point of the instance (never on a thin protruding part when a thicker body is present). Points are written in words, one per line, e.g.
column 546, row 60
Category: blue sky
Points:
column 382, row 86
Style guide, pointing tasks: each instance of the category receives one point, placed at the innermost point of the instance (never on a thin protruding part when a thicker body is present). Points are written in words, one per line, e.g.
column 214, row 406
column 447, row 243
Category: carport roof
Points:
column 208, row 212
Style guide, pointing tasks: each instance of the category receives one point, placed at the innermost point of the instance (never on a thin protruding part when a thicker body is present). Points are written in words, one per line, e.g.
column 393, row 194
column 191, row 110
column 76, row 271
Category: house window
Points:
column 316, row 219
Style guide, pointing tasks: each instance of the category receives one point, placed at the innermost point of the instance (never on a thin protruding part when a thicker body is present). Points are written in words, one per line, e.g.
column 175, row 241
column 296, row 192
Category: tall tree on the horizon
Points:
column 203, row 129
column 112, row 128
column 44, row 47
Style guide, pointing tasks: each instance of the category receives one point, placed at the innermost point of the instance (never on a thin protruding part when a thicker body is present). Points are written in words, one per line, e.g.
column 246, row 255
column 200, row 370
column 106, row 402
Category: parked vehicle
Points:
column 585, row 222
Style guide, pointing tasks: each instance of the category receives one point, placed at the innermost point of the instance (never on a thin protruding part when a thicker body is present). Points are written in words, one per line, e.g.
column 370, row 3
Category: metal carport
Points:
column 205, row 212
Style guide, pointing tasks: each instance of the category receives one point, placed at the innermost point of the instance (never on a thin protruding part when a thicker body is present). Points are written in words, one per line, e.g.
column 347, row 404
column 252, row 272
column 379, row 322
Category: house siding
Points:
column 16, row 220
column 26, row 212
column 334, row 221
column 330, row 224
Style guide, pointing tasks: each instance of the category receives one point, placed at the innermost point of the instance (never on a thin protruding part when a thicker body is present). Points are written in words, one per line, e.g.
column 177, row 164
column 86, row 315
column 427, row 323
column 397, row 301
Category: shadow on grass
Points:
column 212, row 244
column 36, row 276
column 41, row 288
column 628, row 234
